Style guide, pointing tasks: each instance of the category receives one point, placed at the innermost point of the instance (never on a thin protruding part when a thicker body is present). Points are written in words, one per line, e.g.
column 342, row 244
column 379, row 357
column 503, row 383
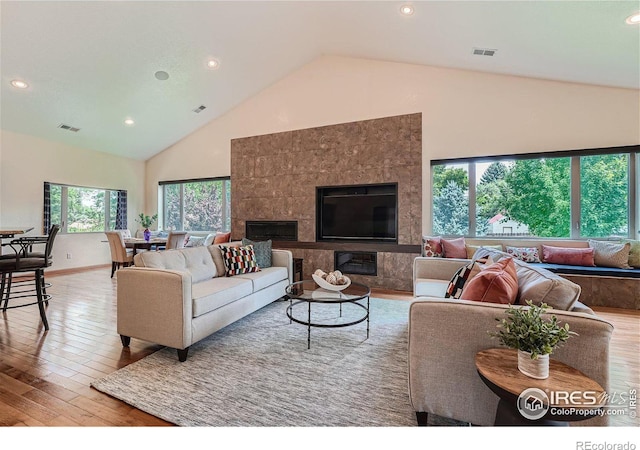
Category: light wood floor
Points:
column 44, row 377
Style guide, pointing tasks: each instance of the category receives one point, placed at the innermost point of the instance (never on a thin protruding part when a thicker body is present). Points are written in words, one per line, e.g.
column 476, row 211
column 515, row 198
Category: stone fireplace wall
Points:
column 274, row 177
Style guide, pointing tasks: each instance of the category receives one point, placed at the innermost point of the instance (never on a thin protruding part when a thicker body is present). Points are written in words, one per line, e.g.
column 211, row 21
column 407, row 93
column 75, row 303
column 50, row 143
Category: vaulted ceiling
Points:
column 92, row 64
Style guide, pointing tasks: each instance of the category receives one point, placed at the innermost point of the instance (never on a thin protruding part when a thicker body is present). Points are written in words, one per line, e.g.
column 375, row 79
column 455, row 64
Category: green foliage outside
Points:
column 537, row 193
column 202, row 209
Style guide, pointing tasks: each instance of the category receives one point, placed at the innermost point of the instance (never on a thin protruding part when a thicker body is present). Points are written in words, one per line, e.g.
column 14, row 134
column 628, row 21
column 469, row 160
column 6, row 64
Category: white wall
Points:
column 464, row 113
column 27, row 162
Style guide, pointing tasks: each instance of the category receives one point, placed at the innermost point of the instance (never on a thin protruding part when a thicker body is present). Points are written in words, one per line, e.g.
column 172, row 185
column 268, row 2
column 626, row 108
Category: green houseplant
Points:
column 535, row 337
column 146, row 222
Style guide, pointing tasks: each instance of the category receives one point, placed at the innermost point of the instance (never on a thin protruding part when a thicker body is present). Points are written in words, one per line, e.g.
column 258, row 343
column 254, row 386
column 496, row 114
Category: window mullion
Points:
column 472, row 199
column 575, row 209
column 634, row 213
column 64, row 209
column 182, row 227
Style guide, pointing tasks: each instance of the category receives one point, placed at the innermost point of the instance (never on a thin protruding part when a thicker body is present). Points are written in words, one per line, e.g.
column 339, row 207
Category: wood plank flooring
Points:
column 44, row 377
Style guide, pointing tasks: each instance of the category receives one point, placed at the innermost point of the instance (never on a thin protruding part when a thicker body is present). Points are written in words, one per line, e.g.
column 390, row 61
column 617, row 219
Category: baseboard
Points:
column 53, row 273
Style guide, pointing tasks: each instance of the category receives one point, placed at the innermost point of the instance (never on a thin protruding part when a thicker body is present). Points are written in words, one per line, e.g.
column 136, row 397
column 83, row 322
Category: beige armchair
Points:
column 120, row 255
column 444, row 337
column 176, row 239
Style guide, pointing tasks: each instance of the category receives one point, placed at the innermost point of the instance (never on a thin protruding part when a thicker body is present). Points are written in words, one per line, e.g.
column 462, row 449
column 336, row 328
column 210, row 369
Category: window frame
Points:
column 161, row 199
column 64, row 206
column 633, row 171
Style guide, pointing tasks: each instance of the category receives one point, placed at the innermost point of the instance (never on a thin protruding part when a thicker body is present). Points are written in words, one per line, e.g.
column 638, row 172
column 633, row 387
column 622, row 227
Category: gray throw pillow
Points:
column 262, row 250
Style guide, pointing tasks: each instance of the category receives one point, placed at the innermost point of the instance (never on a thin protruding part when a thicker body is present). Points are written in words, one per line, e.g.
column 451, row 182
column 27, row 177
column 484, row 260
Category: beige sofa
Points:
column 178, row 297
column 446, row 334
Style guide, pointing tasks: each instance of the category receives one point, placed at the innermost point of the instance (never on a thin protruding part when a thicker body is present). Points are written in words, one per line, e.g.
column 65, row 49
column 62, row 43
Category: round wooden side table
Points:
column 567, row 395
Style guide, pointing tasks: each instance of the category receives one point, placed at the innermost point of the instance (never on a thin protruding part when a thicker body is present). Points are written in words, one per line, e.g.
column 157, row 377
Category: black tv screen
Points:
column 359, row 213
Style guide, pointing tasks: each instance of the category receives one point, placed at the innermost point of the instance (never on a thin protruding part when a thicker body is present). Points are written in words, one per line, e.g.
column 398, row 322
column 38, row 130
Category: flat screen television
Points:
column 366, row 213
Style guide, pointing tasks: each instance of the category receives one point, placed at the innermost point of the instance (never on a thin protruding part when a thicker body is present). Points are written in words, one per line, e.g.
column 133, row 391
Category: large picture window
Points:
column 84, row 209
column 197, row 205
column 575, row 194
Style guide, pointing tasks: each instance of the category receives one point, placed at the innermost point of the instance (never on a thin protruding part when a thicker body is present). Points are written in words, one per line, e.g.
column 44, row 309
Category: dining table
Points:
column 10, row 232
column 142, row 244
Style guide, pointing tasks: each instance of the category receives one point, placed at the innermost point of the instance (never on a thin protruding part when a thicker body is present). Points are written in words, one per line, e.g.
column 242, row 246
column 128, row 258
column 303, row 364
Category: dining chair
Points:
column 120, row 255
column 126, row 234
column 175, row 239
column 27, row 260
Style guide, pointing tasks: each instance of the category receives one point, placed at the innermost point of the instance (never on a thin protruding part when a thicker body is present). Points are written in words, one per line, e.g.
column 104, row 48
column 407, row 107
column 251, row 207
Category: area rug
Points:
column 259, row 372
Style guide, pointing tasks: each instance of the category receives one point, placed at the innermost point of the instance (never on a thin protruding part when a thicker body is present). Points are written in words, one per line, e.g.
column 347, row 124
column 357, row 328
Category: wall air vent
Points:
column 199, row 109
column 68, row 128
column 484, row 51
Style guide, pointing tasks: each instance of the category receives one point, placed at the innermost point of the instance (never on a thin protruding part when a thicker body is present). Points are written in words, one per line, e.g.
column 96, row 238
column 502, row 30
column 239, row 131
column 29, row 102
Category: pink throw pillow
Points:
column 454, row 248
column 432, row 247
column 568, row 256
column 497, row 283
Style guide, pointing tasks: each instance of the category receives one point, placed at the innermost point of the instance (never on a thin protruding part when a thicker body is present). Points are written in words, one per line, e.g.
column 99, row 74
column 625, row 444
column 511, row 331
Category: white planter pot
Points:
column 535, row 368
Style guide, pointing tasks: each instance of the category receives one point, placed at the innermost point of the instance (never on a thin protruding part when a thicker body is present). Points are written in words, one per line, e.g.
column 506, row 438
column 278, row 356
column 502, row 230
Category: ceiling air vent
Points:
column 199, row 109
column 68, row 127
column 484, row 51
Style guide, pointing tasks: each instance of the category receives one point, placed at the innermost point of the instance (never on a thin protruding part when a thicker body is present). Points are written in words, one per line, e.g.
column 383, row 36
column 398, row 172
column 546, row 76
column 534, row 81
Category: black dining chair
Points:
column 25, row 259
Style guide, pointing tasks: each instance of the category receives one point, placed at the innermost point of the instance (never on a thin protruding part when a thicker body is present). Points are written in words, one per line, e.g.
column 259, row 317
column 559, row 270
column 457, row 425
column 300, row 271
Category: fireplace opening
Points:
column 357, row 263
column 276, row 230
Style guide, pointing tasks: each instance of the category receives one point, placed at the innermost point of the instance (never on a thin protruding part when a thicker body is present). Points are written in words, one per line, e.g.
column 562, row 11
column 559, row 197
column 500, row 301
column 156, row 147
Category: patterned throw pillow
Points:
column 432, row 247
column 611, row 254
column 263, row 252
column 634, row 252
column 526, row 254
column 195, row 241
column 239, row 260
column 459, row 279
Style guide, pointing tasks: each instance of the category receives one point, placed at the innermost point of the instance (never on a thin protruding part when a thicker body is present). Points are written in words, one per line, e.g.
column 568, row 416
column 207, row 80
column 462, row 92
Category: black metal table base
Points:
column 308, row 323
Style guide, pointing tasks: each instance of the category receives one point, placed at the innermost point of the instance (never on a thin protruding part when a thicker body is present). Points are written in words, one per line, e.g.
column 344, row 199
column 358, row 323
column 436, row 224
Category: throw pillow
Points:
column 610, row 254
column 568, row 256
column 209, row 239
column 464, row 273
column 195, row 241
column 634, row 252
column 239, row 260
column 472, row 249
column 432, row 246
column 263, row 252
column 497, row 283
column 454, row 248
column 221, row 238
column 526, row 254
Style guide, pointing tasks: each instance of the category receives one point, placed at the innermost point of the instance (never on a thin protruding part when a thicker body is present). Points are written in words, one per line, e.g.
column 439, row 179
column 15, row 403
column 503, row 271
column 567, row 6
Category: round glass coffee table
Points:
column 307, row 292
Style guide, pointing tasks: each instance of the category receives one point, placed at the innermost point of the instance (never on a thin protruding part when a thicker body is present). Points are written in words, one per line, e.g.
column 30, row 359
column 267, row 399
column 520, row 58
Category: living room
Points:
column 472, row 106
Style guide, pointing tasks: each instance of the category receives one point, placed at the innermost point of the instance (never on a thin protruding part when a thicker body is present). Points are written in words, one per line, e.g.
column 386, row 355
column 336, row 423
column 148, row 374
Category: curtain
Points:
column 46, row 214
column 121, row 211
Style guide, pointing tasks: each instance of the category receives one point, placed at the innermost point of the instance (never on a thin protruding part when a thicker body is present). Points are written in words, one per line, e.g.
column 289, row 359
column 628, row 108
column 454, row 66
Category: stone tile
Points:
column 381, row 130
column 404, row 127
column 307, row 230
column 348, row 157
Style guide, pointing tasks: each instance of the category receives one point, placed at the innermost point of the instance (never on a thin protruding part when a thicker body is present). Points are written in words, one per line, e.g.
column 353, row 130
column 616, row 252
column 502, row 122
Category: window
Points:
column 574, row 194
column 83, row 209
column 196, row 205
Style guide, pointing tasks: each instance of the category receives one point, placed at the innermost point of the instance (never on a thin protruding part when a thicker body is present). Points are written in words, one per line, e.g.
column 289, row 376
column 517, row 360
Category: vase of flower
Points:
column 147, row 234
column 146, row 222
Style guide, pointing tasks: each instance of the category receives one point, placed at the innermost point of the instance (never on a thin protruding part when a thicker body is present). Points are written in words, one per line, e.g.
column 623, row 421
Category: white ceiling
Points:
column 91, row 64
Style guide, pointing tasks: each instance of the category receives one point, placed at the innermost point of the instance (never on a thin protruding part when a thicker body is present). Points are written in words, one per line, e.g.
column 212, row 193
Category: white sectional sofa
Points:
column 178, row 297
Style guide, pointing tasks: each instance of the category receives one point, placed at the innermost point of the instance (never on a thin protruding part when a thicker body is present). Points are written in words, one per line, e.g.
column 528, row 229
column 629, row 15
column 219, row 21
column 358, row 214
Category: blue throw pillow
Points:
column 262, row 251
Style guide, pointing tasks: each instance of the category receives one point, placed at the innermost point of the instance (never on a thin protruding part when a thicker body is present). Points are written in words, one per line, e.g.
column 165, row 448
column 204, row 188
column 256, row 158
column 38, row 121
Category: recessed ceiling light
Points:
column 129, row 122
column 161, row 75
column 19, row 84
column 633, row 19
column 407, row 10
column 213, row 64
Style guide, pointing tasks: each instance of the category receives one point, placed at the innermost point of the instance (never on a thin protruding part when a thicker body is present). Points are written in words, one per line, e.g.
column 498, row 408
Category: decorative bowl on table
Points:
column 324, row 284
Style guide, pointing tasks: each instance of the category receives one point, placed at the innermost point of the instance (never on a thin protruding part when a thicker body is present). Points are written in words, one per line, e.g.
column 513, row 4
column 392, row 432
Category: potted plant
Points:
column 146, row 222
column 535, row 337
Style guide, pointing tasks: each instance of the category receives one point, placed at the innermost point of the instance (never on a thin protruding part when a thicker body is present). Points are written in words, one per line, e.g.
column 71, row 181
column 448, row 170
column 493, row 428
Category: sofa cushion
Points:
column 197, row 261
column 212, row 294
column 472, row 249
column 568, row 255
column 221, row 237
column 454, row 248
column 634, row 252
column 432, row 246
column 266, row 277
column 540, row 285
column 497, row 283
column 611, row 254
column 426, row 287
column 238, row 260
column 194, row 241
